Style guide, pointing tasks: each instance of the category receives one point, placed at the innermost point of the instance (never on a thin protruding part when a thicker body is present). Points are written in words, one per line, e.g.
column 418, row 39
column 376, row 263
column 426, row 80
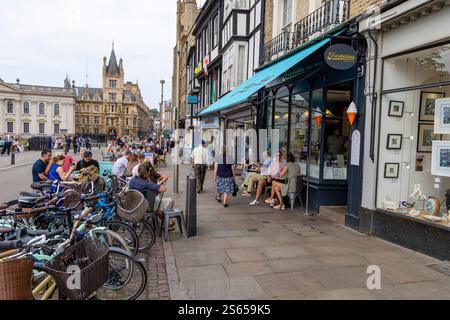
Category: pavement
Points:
column 245, row 252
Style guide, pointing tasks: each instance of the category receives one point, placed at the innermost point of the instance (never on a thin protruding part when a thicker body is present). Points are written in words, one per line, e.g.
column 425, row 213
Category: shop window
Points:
column 281, row 122
column 299, row 127
column 414, row 155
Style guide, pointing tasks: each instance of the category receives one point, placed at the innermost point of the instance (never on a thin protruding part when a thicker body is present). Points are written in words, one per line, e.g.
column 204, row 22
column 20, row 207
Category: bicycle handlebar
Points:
column 8, row 245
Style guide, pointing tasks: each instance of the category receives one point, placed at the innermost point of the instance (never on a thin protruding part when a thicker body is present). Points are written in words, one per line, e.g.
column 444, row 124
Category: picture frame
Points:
column 391, row 170
column 425, row 137
column 442, row 116
column 396, row 108
column 440, row 158
column 394, row 141
column 427, row 105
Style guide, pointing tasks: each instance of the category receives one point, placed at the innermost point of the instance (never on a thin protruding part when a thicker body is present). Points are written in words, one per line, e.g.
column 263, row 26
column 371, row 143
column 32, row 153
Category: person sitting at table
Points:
column 276, row 166
column 87, row 161
column 140, row 159
column 280, row 186
column 108, row 154
column 253, row 177
column 131, row 164
column 56, row 171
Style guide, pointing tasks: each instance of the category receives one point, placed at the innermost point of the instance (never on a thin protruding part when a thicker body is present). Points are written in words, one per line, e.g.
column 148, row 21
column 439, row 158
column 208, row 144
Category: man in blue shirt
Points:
column 38, row 170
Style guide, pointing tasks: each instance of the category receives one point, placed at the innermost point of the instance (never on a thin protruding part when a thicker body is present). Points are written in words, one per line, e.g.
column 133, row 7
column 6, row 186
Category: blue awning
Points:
column 246, row 89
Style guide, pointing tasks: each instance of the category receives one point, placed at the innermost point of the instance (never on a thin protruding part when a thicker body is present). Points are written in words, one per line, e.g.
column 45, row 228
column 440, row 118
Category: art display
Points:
column 442, row 116
column 391, row 170
column 394, row 141
column 440, row 158
column 396, row 108
column 427, row 105
column 432, row 206
column 425, row 137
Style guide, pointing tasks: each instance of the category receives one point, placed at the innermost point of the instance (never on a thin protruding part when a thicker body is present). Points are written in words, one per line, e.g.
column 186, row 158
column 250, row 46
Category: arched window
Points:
column 26, row 108
column 10, row 107
column 56, row 110
column 41, row 108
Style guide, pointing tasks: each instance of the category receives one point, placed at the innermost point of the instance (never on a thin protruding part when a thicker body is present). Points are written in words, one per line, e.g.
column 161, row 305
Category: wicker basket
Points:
column 132, row 206
column 15, row 279
column 91, row 256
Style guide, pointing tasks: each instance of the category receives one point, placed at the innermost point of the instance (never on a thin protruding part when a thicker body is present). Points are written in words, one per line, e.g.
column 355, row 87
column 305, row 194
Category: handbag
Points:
column 236, row 189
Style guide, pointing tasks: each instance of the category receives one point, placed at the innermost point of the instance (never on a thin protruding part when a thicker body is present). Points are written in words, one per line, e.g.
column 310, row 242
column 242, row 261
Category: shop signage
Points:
column 192, row 99
column 210, row 123
column 356, row 147
column 304, row 69
column 205, row 64
column 199, row 68
column 340, row 56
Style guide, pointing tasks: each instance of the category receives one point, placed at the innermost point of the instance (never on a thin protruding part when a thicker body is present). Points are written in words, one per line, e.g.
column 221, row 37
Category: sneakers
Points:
column 269, row 201
column 254, row 203
column 246, row 193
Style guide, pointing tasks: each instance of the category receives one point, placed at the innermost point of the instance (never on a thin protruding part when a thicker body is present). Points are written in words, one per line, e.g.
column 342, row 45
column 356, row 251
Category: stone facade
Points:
column 187, row 12
column 116, row 109
column 30, row 110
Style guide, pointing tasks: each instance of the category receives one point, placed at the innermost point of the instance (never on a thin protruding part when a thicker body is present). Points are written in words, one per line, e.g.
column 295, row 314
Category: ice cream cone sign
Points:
column 351, row 113
column 318, row 116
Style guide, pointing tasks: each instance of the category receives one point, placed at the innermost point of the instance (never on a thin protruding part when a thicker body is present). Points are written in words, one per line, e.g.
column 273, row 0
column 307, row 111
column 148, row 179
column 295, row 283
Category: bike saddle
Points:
column 26, row 235
column 29, row 195
column 40, row 186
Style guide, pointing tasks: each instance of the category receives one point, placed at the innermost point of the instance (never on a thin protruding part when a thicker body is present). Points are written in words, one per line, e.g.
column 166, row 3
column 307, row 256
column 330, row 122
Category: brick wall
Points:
column 358, row 7
column 301, row 10
column 268, row 21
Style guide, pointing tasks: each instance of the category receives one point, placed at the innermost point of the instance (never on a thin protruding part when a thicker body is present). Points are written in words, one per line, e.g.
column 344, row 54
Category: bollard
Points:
column 13, row 158
column 191, row 206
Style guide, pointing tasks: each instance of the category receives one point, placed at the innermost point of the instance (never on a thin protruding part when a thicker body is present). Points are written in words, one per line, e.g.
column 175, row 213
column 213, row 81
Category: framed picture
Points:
column 442, row 116
column 394, row 141
column 396, row 108
column 440, row 158
column 391, row 170
column 425, row 137
column 427, row 105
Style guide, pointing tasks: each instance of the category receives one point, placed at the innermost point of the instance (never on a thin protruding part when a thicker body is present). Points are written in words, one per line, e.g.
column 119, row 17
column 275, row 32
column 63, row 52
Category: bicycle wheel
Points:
column 127, row 277
column 126, row 232
column 146, row 235
column 111, row 239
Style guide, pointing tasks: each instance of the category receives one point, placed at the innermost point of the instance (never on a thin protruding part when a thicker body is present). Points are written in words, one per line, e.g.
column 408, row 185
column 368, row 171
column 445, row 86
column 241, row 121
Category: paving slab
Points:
column 202, row 258
column 243, row 269
column 293, row 265
column 245, row 254
column 210, row 272
column 283, row 252
column 254, row 241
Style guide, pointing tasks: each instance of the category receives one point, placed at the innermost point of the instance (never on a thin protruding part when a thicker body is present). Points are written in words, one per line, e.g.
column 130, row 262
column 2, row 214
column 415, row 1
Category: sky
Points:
column 43, row 40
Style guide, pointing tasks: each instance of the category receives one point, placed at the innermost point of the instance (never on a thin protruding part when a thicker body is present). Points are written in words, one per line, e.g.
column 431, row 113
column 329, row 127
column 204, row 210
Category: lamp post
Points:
column 161, row 109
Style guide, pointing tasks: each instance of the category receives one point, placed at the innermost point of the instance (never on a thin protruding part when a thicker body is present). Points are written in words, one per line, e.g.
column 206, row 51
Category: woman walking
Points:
column 224, row 176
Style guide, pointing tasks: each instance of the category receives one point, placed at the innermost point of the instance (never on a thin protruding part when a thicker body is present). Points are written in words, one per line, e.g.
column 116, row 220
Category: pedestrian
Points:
column 199, row 163
column 88, row 143
column 39, row 167
column 75, row 144
column 8, row 144
column 132, row 162
column 68, row 141
column 224, row 177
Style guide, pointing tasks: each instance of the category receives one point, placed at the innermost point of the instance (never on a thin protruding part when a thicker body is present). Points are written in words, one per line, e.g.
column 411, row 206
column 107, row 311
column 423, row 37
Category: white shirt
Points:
column 200, row 155
column 135, row 172
column 120, row 167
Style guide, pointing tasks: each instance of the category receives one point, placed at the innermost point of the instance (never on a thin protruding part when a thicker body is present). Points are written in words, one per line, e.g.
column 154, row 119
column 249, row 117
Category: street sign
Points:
column 192, row 99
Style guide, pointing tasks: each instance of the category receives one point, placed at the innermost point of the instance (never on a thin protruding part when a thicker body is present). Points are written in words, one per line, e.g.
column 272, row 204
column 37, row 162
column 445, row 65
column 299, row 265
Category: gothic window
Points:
column 10, row 107
column 112, row 83
column 112, row 97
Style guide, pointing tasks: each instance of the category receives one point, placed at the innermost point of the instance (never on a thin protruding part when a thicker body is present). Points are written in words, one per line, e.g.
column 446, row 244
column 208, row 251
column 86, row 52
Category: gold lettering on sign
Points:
column 333, row 56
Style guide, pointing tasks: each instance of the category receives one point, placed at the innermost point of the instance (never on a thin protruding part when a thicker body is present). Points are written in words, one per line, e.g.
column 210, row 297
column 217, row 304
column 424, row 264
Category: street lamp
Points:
column 161, row 107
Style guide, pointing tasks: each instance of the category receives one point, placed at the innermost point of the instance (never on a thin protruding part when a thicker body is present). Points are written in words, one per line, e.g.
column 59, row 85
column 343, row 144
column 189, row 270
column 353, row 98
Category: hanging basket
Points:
column 15, row 279
column 132, row 206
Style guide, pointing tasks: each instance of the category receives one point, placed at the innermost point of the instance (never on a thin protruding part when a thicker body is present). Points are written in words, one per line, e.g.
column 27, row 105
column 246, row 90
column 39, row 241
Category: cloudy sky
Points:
column 42, row 40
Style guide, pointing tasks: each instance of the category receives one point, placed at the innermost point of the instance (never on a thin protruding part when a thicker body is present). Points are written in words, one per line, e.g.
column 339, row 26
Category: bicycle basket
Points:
column 15, row 277
column 90, row 258
column 132, row 206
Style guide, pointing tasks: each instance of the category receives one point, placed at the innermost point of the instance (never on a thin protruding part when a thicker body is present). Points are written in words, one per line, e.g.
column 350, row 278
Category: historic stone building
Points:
column 116, row 110
column 31, row 110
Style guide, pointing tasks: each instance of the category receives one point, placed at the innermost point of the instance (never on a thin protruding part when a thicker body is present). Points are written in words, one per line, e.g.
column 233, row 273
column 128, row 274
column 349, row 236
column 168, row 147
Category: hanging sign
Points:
column 356, row 148
column 192, row 99
column 340, row 56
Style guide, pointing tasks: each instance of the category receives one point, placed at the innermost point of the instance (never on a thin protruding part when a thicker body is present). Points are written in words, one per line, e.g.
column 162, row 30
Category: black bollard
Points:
column 13, row 158
column 191, row 206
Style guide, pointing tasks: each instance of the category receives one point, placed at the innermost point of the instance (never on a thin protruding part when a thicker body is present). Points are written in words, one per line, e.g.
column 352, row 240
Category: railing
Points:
column 330, row 14
column 279, row 45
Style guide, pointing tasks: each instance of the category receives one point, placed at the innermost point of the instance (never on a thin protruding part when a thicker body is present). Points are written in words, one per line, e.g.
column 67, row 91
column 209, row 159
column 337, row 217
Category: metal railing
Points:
column 331, row 14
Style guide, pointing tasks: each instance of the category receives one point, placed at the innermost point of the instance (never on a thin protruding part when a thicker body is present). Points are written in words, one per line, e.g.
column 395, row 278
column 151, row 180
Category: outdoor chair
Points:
column 298, row 192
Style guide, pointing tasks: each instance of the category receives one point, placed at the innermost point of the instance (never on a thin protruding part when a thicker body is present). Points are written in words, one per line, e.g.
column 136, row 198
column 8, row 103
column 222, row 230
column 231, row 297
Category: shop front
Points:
column 303, row 98
column 412, row 178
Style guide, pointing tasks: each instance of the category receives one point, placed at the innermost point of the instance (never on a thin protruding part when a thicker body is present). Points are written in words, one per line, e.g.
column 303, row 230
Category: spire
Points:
column 112, row 68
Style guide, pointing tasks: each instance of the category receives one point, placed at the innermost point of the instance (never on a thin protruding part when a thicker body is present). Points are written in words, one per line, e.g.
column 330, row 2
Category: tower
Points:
column 113, row 78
